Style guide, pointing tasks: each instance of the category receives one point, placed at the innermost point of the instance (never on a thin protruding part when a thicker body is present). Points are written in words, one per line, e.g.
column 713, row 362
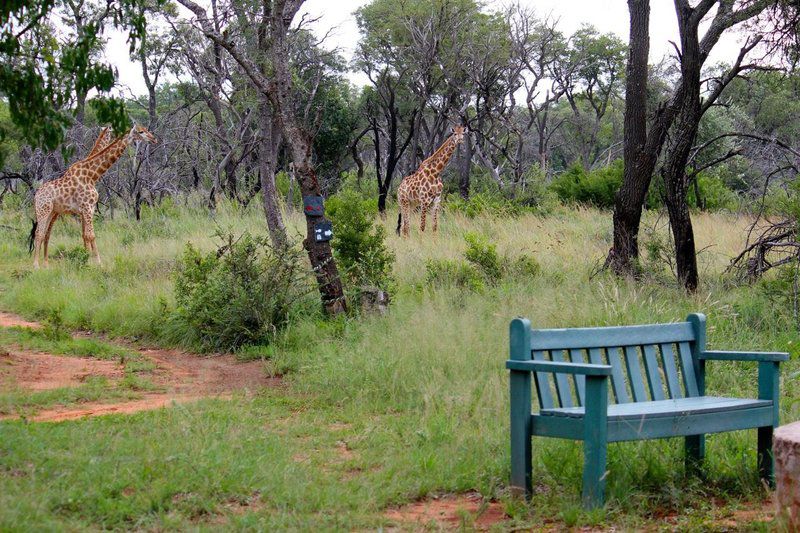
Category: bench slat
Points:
column 596, row 356
column 635, row 374
column 617, row 377
column 565, row 339
column 562, row 382
column 653, row 376
column 667, row 408
column 671, row 371
column 543, row 383
column 687, row 366
column 580, row 381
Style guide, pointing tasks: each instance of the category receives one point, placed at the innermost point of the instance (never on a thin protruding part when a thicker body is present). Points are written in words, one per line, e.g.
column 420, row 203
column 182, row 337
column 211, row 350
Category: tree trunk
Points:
column 299, row 141
column 637, row 173
column 269, row 142
column 681, row 141
column 465, row 153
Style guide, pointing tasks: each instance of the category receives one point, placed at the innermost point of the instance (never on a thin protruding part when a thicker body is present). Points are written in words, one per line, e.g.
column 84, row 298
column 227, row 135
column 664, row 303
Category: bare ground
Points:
column 183, row 377
column 449, row 512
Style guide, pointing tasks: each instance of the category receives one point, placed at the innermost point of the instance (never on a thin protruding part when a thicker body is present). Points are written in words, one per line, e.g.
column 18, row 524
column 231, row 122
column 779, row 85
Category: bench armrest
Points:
column 559, row 368
column 717, row 355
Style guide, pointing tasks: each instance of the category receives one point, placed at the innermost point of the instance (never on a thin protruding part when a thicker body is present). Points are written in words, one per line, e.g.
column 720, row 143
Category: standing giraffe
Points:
column 75, row 192
column 424, row 187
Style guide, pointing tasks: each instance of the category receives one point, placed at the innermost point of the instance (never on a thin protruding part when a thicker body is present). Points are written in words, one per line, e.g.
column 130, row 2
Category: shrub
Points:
column 483, row 255
column 714, row 194
column 359, row 245
column 77, row 256
column 441, row 273
column 483, row 266
column 523, row 266
column 596, row 187
column 243, row 293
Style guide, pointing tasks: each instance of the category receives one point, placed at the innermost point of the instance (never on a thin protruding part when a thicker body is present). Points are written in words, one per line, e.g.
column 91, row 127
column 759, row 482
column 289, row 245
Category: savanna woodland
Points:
column 237, row 331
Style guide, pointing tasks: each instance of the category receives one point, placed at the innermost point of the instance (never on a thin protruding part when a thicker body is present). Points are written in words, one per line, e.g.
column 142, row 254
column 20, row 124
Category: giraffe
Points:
column 424, row 187
column 75, row 192
column 103, row 140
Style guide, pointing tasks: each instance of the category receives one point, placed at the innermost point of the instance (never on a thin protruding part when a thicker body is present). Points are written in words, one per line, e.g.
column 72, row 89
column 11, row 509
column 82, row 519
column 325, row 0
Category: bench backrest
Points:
column 651, row 362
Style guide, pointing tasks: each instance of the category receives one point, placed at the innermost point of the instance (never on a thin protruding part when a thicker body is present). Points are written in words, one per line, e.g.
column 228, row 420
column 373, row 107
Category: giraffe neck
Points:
column 440, row 157
column 99, row 164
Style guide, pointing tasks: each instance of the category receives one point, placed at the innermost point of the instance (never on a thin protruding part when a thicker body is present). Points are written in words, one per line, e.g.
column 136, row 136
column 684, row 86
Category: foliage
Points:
column 483, row 255
column 359, row 245
column 242, row 293
column 483, row 266
column 44, row 67
column 76, row 256
column 714, row 194
column 443, row 273
column 595, row 187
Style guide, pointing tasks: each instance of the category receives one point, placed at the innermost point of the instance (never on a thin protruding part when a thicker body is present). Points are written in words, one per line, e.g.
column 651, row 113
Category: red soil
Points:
column 450, row 512
column 182, row 376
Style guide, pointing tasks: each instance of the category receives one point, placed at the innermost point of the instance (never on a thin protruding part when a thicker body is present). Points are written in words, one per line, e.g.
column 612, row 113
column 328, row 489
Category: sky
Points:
column 605, row 15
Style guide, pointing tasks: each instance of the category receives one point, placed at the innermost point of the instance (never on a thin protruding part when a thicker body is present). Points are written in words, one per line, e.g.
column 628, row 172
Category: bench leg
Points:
column 765, row 461
column 768, row 389
column 694, row 453
column 521, row 433
column 595, row 442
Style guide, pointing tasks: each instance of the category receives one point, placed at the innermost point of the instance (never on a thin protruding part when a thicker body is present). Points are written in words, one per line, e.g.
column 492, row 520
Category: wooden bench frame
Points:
column 688, row 412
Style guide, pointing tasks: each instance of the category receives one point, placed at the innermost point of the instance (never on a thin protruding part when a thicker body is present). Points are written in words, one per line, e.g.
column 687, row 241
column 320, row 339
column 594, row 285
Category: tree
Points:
column 46, row 71
column 638, row 171
column 679, row 116
column 274, row 19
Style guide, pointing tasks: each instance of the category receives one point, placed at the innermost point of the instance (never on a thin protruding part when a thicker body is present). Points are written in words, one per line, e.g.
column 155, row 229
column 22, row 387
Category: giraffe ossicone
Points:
column 75, row 192
column 424, row 187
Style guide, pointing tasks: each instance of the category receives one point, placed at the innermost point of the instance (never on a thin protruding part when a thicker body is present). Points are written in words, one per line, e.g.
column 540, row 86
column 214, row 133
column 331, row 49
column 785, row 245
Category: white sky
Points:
column 605, row 15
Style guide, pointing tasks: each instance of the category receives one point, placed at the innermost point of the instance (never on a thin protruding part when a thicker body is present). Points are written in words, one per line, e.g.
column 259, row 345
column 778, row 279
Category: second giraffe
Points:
column 424, row 187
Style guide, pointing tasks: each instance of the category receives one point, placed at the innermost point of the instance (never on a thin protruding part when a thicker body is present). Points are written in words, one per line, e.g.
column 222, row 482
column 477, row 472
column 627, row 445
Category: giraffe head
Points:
column 140, row 133
column 458, row 133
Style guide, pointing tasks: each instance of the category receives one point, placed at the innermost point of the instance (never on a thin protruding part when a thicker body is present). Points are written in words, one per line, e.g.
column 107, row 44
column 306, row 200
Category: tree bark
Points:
column 637, row 173
column 465, row 153
column 269, row 142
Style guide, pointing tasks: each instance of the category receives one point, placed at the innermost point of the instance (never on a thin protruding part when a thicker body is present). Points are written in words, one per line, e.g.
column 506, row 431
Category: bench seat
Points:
column 682, row 407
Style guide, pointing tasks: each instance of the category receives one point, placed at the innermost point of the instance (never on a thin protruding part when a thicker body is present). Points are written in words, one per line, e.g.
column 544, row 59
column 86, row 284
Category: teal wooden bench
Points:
column 657, row 376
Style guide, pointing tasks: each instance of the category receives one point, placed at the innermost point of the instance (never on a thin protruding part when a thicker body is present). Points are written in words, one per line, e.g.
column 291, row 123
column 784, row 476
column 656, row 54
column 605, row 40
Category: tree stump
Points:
column 786, row 448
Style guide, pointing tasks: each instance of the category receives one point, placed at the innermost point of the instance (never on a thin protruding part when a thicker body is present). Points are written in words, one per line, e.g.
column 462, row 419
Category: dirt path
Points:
column 179, row 376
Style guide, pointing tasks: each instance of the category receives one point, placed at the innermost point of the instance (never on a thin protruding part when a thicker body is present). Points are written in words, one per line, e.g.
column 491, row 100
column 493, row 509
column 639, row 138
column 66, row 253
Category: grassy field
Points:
column 379, row 411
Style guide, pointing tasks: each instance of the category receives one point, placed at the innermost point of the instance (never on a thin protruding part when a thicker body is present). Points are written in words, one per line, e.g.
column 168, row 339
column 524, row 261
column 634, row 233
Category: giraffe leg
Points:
column 42, row 223
column 423, row 208
column 436, row 205
column 88, row 234
column 47, row 235
column 405, row 212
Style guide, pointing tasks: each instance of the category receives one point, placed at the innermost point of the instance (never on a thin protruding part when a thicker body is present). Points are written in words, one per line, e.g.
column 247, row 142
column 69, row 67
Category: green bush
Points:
column 358, row 244
column 242, row 293
column 441, row 273
column 714, row 194
column 482, row 266
column 520, row 267
column 595, row 187
column 483, row 255
column 76, row 256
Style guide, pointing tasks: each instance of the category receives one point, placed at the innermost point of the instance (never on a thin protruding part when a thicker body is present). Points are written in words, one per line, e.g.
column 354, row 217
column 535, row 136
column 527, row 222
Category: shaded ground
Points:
column 178, row 377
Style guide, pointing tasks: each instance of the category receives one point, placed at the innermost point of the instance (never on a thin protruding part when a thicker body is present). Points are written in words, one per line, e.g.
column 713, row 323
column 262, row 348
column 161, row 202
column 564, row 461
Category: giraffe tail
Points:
column 32, row 236
column 399, row 221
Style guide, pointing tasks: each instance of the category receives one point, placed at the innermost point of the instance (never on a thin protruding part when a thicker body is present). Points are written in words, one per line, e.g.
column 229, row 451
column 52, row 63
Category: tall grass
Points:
column 423, row 387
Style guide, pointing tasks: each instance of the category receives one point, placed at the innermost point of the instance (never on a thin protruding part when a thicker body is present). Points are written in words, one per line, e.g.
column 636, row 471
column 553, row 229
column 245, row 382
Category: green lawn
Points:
column 418, row 398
